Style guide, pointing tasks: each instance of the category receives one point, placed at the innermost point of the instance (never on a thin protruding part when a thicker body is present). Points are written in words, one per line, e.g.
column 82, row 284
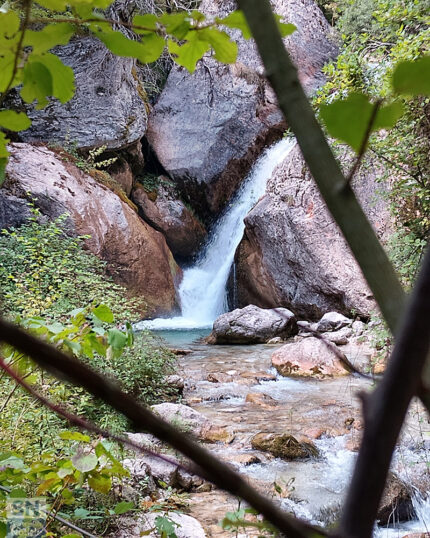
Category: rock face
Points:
column 309, row 357
column 253, row 325
column 292, row 253
column 284, row 446
column 208, row 128
column 108, row 107
column 167, row 213
column 118, row 235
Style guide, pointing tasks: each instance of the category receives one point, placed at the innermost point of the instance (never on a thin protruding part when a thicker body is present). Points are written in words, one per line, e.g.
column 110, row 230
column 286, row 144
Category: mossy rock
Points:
column 284, row 446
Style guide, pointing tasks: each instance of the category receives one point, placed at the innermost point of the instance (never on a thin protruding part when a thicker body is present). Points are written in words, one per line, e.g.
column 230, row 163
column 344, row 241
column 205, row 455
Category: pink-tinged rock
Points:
column 309, row 357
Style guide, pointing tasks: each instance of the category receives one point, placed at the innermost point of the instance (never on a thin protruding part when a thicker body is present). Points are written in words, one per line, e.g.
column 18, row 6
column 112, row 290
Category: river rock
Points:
column 340, row 337
column 308, row 357
column 207, row 128
column 191, row 421
column 185, row 526
column 396, row 503
column 284, row 446
column 253, row 325
column 167, row 213
column 109, row 105
column 260, row 399
column 137, row 256
column 332, row 321
column 292, row 253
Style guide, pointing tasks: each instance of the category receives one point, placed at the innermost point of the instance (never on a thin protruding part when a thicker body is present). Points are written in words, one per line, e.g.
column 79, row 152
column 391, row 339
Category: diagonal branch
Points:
column 219, row 473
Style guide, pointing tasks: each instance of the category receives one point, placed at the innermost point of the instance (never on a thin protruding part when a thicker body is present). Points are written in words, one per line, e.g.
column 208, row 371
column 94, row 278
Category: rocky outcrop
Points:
column 208, row 128
column 309, row 357
column 109, row 105
column 284, row 446
column 167, row 213
column 137, row 256
column 252, row 325
column 293, row 254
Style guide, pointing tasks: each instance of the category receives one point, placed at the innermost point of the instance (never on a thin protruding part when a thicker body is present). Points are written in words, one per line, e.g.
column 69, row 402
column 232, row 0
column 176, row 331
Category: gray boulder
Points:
column 292, row 253
column 332, row 321
column 109, row 105
column 13, row 211
column 253, row 325
column 208, row 127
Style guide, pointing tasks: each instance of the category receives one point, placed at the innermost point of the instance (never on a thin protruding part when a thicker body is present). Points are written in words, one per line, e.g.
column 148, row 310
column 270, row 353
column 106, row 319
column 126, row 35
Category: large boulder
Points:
column 309, row 357
column 292, row 253
column 137, row 255
column 109, row 106
column 208, row 127
column 253, row 325
column 167, row 213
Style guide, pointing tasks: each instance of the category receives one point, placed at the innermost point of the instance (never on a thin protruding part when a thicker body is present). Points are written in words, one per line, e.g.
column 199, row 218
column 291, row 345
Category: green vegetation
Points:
column 377, row 36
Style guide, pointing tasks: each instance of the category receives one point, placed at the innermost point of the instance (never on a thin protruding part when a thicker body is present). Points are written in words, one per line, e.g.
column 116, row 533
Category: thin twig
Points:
column 364, row 142
column 208, row 466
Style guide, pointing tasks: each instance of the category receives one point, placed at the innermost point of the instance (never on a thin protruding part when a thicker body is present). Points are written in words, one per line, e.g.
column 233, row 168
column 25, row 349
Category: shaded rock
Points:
column 121, row 172
column 160, row 470
column 340, row 337
column 208, row 128
column 137, row 256
column 175, row 381
column 292, row 253
column 167, row 213
column 263, row 400
column 284, row 446
column 188, row 481
column 252, row 325
column 309, row 357
column 191, row 421
column 332, row 321
column 109, row 105
column 186, row 526
column 396, row 503
column 358, row 327
column 141, row 479
column 13, row 211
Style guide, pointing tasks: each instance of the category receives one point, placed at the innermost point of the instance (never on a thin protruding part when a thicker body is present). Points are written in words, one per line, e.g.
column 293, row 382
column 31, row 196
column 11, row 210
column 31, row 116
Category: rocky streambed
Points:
column 295, row 439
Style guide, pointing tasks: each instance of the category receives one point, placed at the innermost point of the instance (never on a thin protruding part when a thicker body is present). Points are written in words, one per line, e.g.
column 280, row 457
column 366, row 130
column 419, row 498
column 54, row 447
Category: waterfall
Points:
column 202, row 292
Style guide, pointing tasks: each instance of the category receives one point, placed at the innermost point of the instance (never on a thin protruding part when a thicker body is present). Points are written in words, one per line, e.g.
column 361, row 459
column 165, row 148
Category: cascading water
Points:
column 203, row 291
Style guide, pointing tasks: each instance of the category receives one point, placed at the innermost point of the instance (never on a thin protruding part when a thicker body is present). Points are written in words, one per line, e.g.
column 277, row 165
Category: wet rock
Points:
column 186, row 526
column 191, row 421
column 396, row 503
column 253, row 325
column 332, row 321
column 188, row 481
column 137, row 256
column 243, row 459
column 417, row 535
column 284, row 446
column 219, row 377
column 260, row 399
column 108, row 108
column 258, row 376
column 308, row 357
column 167, row 213
column 276, row 340
column 283, row 259
column 208, row 128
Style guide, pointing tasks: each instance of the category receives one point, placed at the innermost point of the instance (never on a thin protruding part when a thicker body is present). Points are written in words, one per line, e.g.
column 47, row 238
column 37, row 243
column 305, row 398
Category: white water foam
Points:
column 203, row 291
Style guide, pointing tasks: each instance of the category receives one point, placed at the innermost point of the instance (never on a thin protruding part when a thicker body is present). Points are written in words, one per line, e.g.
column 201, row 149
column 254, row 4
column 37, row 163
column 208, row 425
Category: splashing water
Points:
column 203, row 291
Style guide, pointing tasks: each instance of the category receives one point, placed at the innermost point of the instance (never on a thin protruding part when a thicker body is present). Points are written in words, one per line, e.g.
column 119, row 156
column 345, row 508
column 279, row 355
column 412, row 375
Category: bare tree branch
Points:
column 209, row 467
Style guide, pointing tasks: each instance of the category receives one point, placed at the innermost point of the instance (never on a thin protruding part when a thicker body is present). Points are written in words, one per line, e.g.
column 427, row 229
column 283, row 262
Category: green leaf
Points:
column 286, row 29
column 81, row 513
column 53, row 5
column 225, row 49
column 348, row 119
column 85, row 462
column 165, row 526
column 176, row 24
column 37, row 83
column 50, row 36
column 75, row 436
column 236, row 19
column 63, row 78
column 9, row 24
column 3, row 142
column 412, row 78
column 147, row 51
column 123, row 507
column 3, row 163
column 17, row 493
column 117, row 339
column 100, row 483
column 148, row 21
column 103, row 313
column 190, row 53
column 14, row 121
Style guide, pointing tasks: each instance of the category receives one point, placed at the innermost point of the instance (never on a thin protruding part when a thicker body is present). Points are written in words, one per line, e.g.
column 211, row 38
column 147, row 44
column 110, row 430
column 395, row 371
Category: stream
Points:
column 219, row 379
